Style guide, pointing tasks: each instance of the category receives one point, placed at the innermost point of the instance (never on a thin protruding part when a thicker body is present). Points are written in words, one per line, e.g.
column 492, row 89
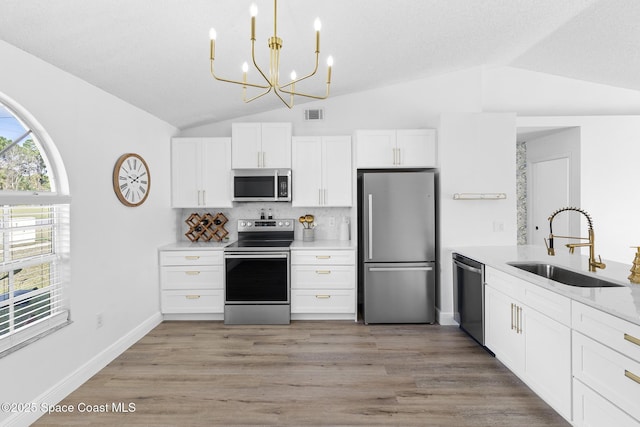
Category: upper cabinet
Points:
column 201, row 172
column 322, row 171
column 402, row 148
column 261, row 145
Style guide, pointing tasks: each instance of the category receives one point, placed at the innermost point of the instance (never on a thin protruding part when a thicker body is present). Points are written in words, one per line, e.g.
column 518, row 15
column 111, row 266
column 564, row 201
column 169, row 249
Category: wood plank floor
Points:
column 308, row 373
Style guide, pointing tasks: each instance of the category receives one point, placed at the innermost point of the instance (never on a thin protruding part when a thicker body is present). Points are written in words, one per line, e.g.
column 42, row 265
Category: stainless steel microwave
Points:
column 262, row 185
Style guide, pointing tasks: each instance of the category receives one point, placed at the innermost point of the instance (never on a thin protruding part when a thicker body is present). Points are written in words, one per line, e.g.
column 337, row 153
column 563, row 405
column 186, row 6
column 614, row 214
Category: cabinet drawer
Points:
column 196, row 277
column 609, row 373
column 347, row 257
column 591, row 409
column 190, row 257
column 323, row 277
column 195, row 301
column 503, row 282
column 612, row 331
column 323, row 301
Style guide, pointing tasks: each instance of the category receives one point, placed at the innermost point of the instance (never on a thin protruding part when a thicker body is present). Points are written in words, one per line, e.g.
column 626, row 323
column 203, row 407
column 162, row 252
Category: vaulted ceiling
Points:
column 154, row 54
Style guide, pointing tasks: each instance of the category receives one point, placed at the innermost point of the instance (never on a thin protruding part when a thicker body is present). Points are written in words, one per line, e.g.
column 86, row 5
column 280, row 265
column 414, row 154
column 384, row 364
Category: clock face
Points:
column 131, row 179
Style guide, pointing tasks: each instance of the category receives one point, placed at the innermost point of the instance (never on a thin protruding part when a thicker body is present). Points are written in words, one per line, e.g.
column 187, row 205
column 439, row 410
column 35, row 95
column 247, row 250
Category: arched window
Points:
column 34, row 230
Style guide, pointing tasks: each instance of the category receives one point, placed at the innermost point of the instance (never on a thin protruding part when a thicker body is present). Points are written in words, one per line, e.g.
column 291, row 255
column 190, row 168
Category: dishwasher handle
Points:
column 467, row 267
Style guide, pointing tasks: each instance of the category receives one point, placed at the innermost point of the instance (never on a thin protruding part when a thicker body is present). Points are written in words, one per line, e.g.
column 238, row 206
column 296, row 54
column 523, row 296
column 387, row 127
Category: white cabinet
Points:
column 201, row 172
column 322, row 171
column 323, row 284
column 606, row 367
column 261, row 145
column 402, row 148
column 191, row 282
column 527, row 328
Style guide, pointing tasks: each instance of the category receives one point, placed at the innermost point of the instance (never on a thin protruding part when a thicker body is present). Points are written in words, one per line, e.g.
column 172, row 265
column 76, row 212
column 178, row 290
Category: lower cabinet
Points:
column 523, row 336
column 191, row 282
column 606, row 368
column 323, row 284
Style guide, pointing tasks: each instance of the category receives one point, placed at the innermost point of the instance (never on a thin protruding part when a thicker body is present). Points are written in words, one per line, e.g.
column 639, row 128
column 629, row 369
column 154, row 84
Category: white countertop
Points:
column 323, row 244
column 623, row 302
column 191, row 246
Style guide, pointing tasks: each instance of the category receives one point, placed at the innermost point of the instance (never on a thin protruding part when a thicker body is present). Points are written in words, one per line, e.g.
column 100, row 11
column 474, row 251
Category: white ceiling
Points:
column 155, row 53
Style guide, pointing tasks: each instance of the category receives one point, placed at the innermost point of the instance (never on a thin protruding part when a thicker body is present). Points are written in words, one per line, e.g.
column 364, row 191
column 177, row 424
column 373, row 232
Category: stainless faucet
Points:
column 593, row 264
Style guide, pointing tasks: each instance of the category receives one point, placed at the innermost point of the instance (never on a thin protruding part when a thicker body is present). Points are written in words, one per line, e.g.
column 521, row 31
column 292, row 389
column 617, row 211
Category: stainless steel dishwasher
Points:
column 468, row 283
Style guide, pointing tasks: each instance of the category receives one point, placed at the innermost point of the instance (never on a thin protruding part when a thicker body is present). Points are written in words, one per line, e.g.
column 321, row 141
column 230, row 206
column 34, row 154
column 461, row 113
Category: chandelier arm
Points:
column 315, row 70
column 236, row 81
column 289, row 105
column 255, row 64
column 291, row 92
column 246, row 101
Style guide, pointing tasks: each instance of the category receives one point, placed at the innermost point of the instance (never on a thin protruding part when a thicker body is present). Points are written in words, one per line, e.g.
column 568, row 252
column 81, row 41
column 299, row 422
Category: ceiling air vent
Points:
column 313, row 115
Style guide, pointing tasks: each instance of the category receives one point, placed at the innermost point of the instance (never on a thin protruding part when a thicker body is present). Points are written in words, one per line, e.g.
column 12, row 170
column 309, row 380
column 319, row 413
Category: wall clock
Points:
column 131, row 179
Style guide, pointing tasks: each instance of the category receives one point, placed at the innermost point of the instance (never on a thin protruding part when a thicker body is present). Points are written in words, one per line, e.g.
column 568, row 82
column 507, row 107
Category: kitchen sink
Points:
column 564, row 276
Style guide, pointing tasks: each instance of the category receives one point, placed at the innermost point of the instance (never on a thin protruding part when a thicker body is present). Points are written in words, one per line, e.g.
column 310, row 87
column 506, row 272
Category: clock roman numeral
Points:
column 124, row 186
column 142, row 190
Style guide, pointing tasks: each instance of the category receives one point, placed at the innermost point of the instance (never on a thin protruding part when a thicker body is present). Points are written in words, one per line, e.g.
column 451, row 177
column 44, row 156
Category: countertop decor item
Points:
column 131, row 179
column 206, row 227
column 271, row 77
column 634, row 277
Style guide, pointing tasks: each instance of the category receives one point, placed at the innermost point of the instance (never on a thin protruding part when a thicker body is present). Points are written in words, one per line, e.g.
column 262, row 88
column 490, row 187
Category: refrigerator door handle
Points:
column 370, row 226
column 400, row 268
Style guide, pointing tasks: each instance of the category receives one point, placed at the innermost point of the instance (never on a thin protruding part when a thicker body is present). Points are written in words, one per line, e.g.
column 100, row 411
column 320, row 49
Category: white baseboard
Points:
column 74, row 380
column 445, row 318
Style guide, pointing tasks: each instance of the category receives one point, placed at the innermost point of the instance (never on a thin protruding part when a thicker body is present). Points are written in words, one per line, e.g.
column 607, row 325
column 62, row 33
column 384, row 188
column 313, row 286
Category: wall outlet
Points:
column 498, row 226
column 99, row 320
column 332, row 221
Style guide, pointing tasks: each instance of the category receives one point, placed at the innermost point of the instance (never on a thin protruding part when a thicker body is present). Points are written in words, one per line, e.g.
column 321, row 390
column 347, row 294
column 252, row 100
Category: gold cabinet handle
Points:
column 193, row 296
column 192, row 257
column 519, row 320
column 323, row 271
column 632, row 339
column 323, row 296
column 191, row 273
column 323, row 256
column 632, row 376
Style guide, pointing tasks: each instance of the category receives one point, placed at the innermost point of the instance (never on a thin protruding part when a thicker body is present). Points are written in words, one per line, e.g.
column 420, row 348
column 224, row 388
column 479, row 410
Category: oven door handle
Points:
column 255, row 256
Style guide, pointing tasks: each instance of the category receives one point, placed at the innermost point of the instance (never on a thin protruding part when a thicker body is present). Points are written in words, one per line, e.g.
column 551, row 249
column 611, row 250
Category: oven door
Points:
column 257, row 278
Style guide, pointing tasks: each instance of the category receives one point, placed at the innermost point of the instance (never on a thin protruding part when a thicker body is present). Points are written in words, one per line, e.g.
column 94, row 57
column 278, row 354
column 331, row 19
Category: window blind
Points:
column 34, row 271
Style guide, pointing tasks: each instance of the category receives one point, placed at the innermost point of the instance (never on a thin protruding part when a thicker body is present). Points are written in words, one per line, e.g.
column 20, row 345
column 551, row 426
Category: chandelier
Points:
column 272, row 78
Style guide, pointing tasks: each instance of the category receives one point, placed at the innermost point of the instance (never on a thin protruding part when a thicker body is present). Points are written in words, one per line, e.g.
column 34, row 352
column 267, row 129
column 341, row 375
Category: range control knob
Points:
column 249, row 223
column 243, row 223
column 279, row 223
column 287, row 223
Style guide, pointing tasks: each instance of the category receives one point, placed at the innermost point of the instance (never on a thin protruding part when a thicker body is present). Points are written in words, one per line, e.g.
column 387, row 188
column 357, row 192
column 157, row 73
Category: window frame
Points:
column 59, row 200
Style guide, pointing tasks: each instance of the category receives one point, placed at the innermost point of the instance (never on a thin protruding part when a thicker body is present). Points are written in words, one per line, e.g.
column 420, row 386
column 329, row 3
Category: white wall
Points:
column 477, row 155
column 114, row 267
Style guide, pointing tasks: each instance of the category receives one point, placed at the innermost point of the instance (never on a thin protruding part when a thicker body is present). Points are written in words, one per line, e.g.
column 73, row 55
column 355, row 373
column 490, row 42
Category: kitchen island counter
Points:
column 622, row 302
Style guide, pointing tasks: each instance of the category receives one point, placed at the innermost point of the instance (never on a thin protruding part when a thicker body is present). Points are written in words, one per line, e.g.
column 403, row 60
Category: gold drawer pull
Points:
column 191, row 273
column 323, row 296
column 512, row 316
column 632, row 376
column 323, row 271
column 323, row 256
column 632, row 339
column 193, row 297
column 192, row 257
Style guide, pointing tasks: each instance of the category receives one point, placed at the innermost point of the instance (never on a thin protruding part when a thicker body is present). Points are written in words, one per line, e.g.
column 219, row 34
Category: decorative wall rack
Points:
column 479, row 196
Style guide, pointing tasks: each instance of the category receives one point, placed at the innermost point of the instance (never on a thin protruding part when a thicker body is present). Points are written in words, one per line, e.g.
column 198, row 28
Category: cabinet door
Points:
column 276, row 145
column 246, row 145
column 548, row 359
column 215, row 157
column 591, row 409
column 307, row 171
column 416, row 147
column 501, row 329
column 336, row 171
column 184, row 173
column 375, row 148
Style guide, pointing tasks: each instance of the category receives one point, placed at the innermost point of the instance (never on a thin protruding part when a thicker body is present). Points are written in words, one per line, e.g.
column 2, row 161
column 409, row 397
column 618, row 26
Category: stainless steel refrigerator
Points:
column 397, row 246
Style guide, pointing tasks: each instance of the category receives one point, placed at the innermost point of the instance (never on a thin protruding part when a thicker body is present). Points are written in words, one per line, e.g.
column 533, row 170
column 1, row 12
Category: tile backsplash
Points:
column 327, row 220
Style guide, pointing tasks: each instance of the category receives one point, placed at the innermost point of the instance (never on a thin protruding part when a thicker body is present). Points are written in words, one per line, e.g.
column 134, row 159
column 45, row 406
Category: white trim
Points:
column 445, row 318
column 74, row 380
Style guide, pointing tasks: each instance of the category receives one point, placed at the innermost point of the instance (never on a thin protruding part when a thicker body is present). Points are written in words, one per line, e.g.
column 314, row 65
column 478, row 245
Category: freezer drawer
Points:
column 399, row 292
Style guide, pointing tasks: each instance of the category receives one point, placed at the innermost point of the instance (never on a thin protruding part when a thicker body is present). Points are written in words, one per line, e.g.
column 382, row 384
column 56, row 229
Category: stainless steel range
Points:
column 257, row 273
